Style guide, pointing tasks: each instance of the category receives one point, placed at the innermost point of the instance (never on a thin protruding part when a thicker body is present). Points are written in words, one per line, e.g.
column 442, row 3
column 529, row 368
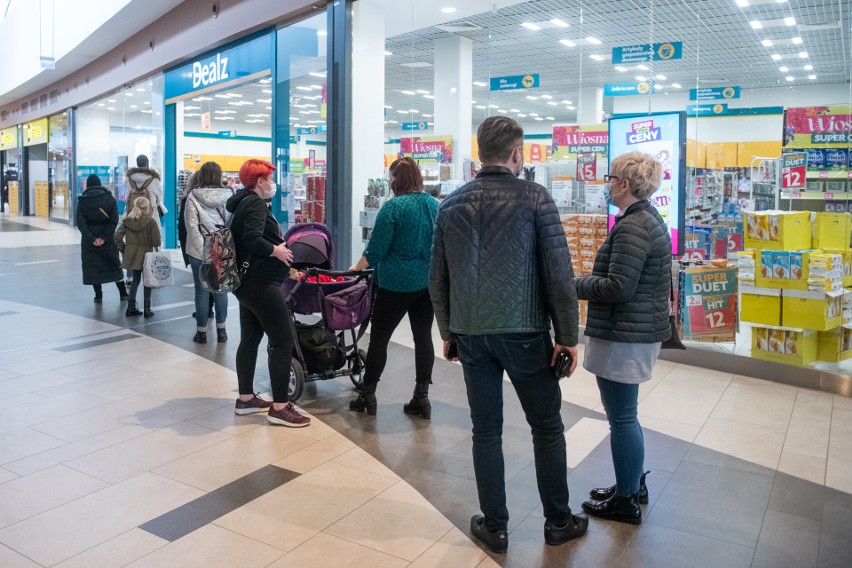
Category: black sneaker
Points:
column 495, row 541
column 576, row 526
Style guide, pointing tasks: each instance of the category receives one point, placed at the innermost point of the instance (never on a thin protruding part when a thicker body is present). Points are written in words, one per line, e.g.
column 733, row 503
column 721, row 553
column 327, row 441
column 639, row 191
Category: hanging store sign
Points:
column 647, row 52
column 587, row 167
column 714, row 93
column 428, row 149
column 35, row 132
column 707, row 110
column 624, row 89
column 572, row 139
column 228, row 67
column 823, row 126
column 205, row 121
column 794, row 166
column 312, row 130
column 9, row 138
column 416, row 126
column 515, row 82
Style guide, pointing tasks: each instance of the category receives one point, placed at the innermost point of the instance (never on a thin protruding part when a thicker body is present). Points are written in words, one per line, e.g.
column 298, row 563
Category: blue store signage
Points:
column 647, row 52
column 319, row 129
column 515, row 82
column 714, row 93
column 416, row 126
column 232, row 65
column 623, row 89
column 707, row 110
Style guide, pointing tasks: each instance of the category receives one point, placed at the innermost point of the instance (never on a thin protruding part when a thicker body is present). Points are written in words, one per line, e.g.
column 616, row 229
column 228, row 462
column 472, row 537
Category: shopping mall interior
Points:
column 119, row 445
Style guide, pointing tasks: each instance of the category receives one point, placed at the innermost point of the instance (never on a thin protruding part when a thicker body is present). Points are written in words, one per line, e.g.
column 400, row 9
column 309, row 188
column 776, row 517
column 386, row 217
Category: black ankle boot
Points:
column 602, row 493
column 420, row 404
column 148, row 312
column 366, row 400
column 132, row 310
column 616, row 508
column 122, row 291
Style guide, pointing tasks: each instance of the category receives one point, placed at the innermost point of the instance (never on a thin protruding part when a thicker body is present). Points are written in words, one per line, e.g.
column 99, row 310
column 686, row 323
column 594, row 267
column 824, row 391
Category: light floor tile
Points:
column 327, row 550
column 18, row 444
column 189, row 390
column 843, row 402
column 805, row 467
column 454, row 549
column 63, row 532
column 581, row 389
column 584, row 437
column 211, row 547
column 223, row 419
column 684, row 376
column 757, row 444
column 841, row 429
column 676, row 404
column 56, row 407
column 316, row 454
column 488, row 563
column 808, row 433
column 11, row 559
column 117, row 552
column 234, row 457
column 186, row 411
column 679, row 430
column 32, row 383
column 295, row 512
column 750, row 405
column 6, row 475
column 838, row 473
column 359, row 460
column 400, row 522
column 741, row 381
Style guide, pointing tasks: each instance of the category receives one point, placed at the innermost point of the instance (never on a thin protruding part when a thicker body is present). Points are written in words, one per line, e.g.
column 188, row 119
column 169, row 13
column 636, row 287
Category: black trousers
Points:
column 99, row 291
column 134, row 286
column 263, row 310
column 388, row 310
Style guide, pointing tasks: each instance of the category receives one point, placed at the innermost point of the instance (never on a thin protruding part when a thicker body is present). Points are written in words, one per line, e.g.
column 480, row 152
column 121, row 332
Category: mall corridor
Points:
column 119, row 447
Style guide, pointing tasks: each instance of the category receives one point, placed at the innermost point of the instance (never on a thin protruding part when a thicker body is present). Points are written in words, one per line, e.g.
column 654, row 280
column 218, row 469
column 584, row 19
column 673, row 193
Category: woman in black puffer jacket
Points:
column 628, row 294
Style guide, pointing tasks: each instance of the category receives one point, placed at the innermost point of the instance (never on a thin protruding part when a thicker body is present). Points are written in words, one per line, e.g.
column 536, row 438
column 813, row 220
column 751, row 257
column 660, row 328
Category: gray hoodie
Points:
column 205, row 207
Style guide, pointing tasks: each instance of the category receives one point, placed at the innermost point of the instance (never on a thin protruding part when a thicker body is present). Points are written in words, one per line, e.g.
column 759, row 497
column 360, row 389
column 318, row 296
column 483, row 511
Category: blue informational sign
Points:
column 220, row 69
column 624, row 89
column 707, row 110
column 416, row 126
column 515, row 82
column 319, row 129
column 714, row 93
column 663, row 136
column 228, row 133
column 647, row 52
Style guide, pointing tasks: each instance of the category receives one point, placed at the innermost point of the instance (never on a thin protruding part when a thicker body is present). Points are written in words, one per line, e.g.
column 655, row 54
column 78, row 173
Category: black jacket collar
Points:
column 638, row 206
column 495, row 171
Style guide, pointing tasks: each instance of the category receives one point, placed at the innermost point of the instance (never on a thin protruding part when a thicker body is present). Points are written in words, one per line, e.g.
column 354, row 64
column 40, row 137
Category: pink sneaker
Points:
column 256, row 404
column 287, row 416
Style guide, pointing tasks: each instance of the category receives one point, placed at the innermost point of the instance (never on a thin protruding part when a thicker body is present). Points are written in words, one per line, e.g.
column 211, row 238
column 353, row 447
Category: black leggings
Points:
column 99, row 291
column 263, row 310
column 134, row 286
column 388, row 311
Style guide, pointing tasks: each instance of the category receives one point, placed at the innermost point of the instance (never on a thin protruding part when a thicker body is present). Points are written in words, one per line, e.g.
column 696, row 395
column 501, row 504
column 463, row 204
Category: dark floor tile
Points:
column 716, row 502
column 787, row 541
column 835, row 542
column 703, row 455
column 797, row 497
column 661, row 452
column 458, row 460
column 662, row 547
column 97, row 342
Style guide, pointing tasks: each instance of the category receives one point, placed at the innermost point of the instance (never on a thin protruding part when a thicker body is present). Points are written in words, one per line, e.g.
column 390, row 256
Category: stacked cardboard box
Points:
column 313, row 207
column 585, row 234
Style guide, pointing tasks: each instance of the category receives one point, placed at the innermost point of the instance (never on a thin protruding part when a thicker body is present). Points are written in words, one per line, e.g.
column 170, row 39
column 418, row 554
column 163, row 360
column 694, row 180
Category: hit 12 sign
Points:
column 793, row 169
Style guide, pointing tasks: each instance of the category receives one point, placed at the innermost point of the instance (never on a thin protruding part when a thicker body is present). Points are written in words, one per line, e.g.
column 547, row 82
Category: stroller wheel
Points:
column 297, row 381
column 358, row 366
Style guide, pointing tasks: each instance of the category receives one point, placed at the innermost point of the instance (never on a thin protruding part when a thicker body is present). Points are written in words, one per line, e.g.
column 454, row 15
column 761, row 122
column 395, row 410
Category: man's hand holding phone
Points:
column 564, row 360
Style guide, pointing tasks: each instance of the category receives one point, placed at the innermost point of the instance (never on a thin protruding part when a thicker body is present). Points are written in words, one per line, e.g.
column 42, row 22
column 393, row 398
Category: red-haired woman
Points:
column 262, row 307
column 399, row 250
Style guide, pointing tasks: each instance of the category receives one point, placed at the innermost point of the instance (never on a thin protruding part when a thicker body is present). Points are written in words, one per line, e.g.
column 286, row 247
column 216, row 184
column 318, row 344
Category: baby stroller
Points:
column 344, row 301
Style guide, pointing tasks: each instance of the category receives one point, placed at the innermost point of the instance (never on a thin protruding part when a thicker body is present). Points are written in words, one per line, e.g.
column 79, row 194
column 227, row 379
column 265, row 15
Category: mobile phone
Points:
column 563, row 364
column 452, row 350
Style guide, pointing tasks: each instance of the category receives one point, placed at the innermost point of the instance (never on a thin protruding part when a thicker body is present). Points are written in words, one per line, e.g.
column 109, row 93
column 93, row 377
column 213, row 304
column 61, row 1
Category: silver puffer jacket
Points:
column 205, row 211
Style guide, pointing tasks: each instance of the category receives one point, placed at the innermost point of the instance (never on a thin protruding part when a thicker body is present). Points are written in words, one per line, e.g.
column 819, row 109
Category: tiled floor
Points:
column 119, row 447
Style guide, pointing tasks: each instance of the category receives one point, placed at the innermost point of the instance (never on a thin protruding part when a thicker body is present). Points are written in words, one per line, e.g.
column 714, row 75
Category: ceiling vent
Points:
column 817, row 27
column 416, row 64
column 458, row 28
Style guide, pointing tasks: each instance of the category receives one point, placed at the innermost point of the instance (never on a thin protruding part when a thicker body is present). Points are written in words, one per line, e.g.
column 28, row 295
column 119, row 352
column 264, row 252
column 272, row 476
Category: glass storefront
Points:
column 59, row 177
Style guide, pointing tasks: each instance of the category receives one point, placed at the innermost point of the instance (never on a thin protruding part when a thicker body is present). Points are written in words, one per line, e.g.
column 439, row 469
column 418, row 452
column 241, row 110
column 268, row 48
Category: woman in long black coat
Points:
column 97, row 218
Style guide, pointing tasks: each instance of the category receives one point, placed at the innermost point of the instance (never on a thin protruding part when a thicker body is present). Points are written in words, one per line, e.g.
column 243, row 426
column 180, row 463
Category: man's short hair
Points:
column 497, row 137
column 142, row 161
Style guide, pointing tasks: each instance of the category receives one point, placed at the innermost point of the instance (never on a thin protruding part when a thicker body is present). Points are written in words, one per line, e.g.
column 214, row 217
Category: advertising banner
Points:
column 793, row 170
column 9, row 138
column 825, row 126
column 428, row 149
column 709, row 300
column 624, row 89
column 663, row 136
column 572, row 139
column 35, row 132
column 714, row 93
column 587, row 166
column 416, row 126
column 515, row 82
column 647, row 52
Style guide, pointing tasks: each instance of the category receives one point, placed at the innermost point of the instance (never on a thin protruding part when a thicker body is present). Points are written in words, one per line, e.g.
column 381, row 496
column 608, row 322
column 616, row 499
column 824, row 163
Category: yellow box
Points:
column 777, row 230
column 811, row 310
column 832, row 230
column 799, row 265
column 760, row 305
column 801, row 346
column 747, row 151
column 835, row 345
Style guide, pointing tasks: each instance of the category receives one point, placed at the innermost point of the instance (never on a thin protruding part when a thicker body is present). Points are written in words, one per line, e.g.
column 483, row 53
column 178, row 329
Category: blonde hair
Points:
column 141, row 206
column 641, row 170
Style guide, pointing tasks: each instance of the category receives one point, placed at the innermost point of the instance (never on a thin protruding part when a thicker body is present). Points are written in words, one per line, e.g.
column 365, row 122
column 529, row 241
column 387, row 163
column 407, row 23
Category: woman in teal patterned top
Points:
column 399, row 250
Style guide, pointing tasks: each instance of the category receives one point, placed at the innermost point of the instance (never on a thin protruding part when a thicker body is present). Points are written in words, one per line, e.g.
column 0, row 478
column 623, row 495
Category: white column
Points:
column 590, row 109
column 368, row 109
column 453, row 95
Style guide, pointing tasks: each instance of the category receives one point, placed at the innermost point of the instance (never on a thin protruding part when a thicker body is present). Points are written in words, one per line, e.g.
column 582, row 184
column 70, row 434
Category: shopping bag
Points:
column 157, row 270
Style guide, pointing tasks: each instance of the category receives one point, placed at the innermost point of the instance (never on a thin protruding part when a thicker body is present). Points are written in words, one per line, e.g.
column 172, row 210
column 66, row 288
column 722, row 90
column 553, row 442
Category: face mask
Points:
column 607, row 195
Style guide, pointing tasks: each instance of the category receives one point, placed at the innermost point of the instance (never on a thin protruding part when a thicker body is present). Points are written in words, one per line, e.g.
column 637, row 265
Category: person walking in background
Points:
column 97, row 218
column 500, row 271
column 137, row 235
column 145, row 182
column 263, row 309
column 399, row 251
column 205, row 212
column 191, row 184
column 628, row 293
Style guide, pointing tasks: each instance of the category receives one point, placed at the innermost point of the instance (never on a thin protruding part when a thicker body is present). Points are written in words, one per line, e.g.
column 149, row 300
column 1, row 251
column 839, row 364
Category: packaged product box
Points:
column 760, row 305
column 804, row 342
column 835, row 186
column 746, row 266
column 587, row 242
column 835, row 345
column 761, row 338
column 841, row 207
column 586, row 231
column 587, row 220
column 587, row 254
column 774, row 227
column 781, row 264
column 835, row 159
column 777, row 338
column 815, row 185
column 766, row 261
column 816, row 159
column 815, row 310
column 571, row 230
column 600, row 221
column 587, row 266
column 791, row 342
column 796, row 265
column 601, row 231
column 793, row 230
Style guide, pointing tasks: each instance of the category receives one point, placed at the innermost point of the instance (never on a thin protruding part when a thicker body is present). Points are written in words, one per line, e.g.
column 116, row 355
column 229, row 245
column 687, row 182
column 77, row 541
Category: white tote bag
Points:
column 157, row 270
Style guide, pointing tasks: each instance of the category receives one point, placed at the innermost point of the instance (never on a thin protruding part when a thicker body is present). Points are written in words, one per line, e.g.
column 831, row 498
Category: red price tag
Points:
column 715, row 321
column 829, row 195
column 695, row 254
column 823, row 175
column 793, row 178
column 796, row 195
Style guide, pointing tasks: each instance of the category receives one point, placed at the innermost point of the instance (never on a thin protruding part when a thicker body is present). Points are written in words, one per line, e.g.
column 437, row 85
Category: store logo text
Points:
column 210, row 73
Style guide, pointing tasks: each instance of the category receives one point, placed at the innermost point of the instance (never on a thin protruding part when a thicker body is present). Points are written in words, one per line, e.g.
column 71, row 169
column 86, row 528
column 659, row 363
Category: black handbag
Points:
column 674, row 341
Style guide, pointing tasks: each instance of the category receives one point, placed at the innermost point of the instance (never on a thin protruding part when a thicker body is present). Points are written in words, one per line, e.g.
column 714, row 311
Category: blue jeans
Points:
column 626, row 440
column 526, row 358
column 202, row 298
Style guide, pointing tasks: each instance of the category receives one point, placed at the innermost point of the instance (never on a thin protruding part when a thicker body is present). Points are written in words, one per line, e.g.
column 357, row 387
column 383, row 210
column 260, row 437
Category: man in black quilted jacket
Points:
column 500, row 273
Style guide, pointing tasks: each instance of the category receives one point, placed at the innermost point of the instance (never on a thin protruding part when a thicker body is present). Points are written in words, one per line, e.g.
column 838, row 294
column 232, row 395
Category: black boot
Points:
column 148, row 312
column 616, row 508
column 366, row 400
column 122, row 290
column 132, row 310
column 603, row 493
column 420, row 404
column 99, row 293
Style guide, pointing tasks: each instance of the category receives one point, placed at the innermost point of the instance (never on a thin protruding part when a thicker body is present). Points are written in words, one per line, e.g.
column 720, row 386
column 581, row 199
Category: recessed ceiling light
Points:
column 790, row 21
column 742, row 3
column 522, row 115
column 530, row 26
column 492, row 106
column 567, row 43
column 660, row 77
column 387, row 53
column 797, row 40
column 776, row 57
column 559, row 23
column 320, row 74
column 766, row 42
column 428, row 97
column 101, row 104
column 546, row 97
column 533, row 114
column 481, row 107
column 128, row 94
column 756, row 24
column 514, row 110
column 790, row 78
column 566, row 102
column 641, row 78
column 803, row 54
column 422, row 92
column 428, row 115
column 147, row 102
column 140, row 89
column 571, row 108
column 110, row 100
column 811, row 77
column 594, row 40
column 504, row 111
column 448, row 10
column 413, row 111
column 597, row 57
column 532, row 98
column 110, row 108
column 808, row 67
column 642, row 67
column 550, row 118
column 621, row 68
column 408, row 92
column 539, row 118
column 480, row 84
column 552, row 103
column 321, row 33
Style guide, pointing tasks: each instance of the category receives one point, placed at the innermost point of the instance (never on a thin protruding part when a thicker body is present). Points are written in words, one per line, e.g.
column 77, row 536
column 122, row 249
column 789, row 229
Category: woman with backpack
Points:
column 137, row 235
column 205, row 212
